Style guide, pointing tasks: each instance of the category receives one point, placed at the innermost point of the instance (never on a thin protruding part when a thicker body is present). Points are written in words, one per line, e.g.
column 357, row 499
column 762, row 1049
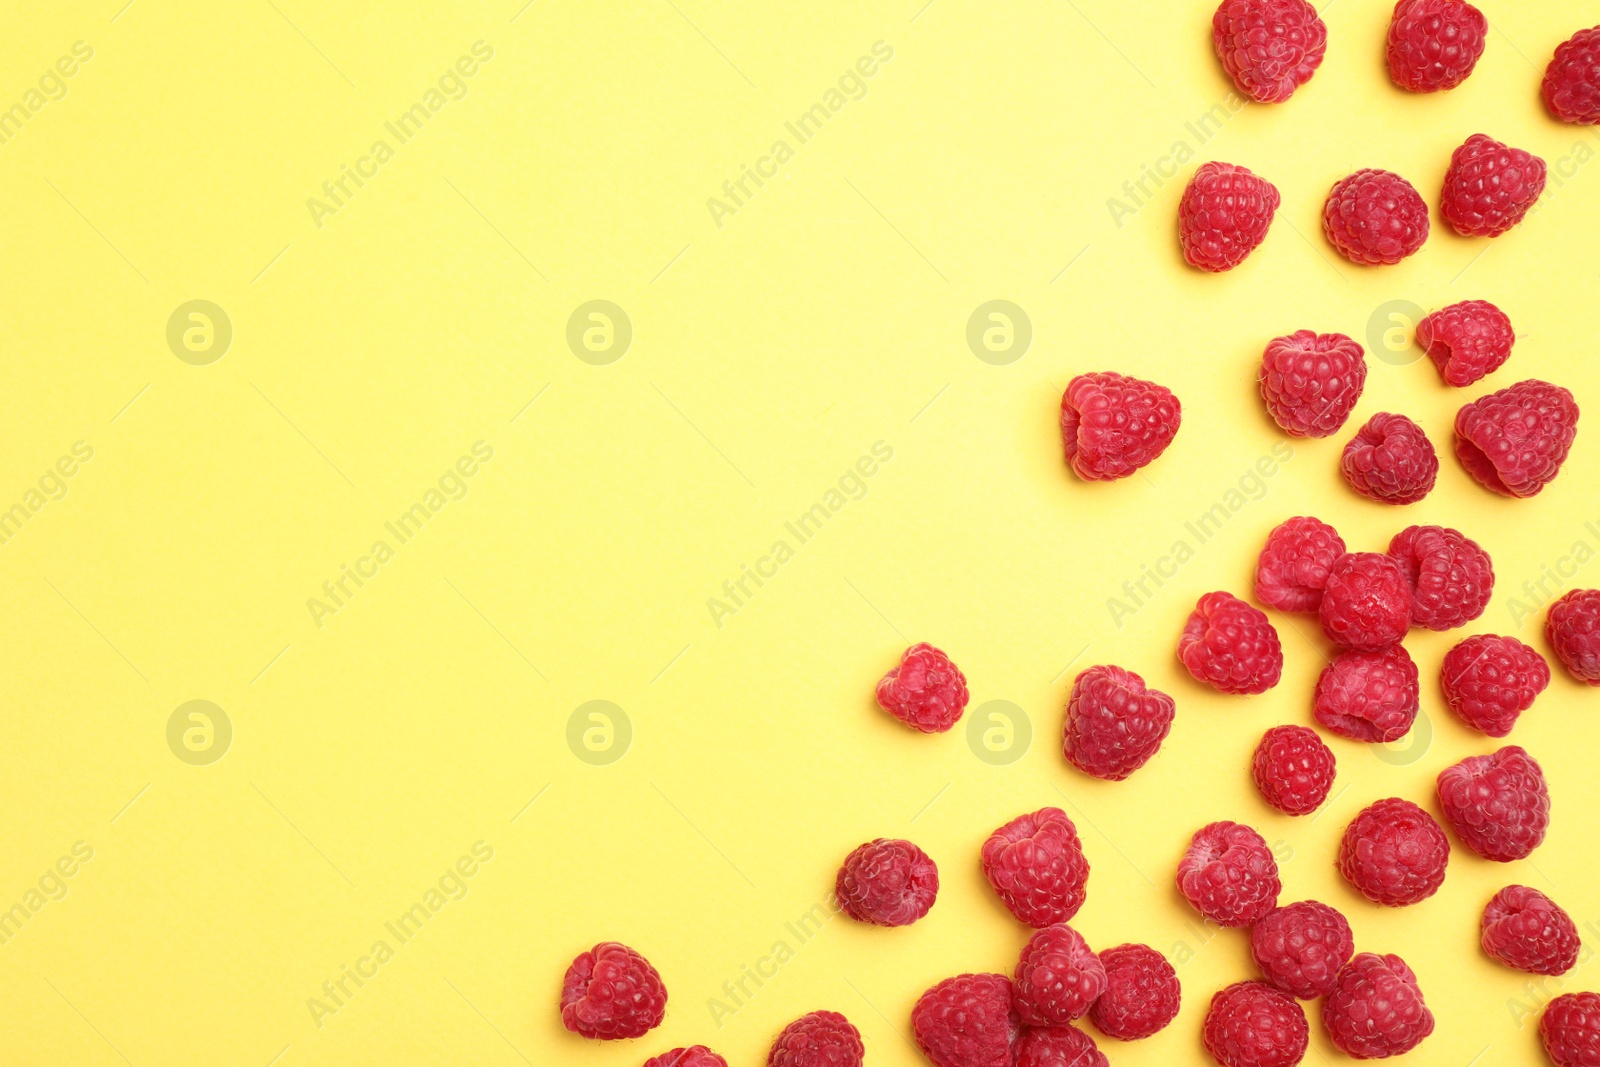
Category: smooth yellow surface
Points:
column 375, row 746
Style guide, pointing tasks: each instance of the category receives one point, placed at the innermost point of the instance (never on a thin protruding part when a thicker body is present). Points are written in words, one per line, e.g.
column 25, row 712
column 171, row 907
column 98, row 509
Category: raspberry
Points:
column 1488, row 681
column 1515, row 441
column 1394, row 853
column 1294, row 564
column 1434, row 44
column 1269, row 47
column 1142, row 993
column 1369, row 696
column 1251, row 1024
column 926, row 691
column 820, row 1039
column 1573, row 627
column 1301, row 947
column 1230, row 646
column 1228, row 874
column 1225, row 213
column 1451, row 577
column 1390, row 460
column 1311, row 381
column 1570, row 1028
column 1059, row 1046
column 612, row 992
column 1498, row 805
column 887, row 883
column 1525, row 929
column 1057, row 979
column 1572, row 81
column 1376, row 1009
column 1293, row 769
column 1467, row 341
column 1037, row 867
column 1489, row 187
column 1112, row 425
column 1367, row 603
column 1375, row 217
column 1114, row 724
column 967, row 1021
column 693, row 1056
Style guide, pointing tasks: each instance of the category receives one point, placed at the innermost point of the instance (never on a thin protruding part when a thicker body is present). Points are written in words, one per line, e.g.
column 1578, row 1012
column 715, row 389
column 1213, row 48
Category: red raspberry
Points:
column 926, row 691
column 1228, row 874
column 1367, row 602
column 612, row 992
column 1058, row 978
column 1301, row 947
column 1489, row 187
column 1451, row 576
column 1525, row 929
column 1112, row 425
column 1390, row 460
column 1059, row 1046
column 1488, row 681
column 1369, row 696
column 1114, row 724
column 1037, row 866
column 1293, row 769
column 1572, row 81
column 1225, row 213
column 1434, row 44
column 1230, row 646
column 1570, row 1028
column 1515, row 441
column 967, row 1021
column 693, row 1056
column 1498, row 805
column 1573, row 627
column 1293, row 567
column 887, row 883
column 1311, row 381
column 1467, row 341
column 1375, row 217
column 1269, row 47
column 1376, row 1010
column 1251, row 1024
column 1142, row 993
column 820, row 1039
column 1394, row 853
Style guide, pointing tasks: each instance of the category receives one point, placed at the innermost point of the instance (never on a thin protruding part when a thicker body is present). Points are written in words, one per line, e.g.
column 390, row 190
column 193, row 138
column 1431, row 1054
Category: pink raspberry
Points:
column 1269, row 47
column 612, row 992
column 693, row 1056
column 887, row 883
column 1573, row 627
column 1375, row 217
column 1366, row 605
column 1571, row 87
column 1394, row 853
column 820, row 1039
column 1112, row 425
column 1451, row 576
column 926, row 691
column 1037, row 867
column 967, row 1021
column 1058, row 978
column 1515, row 441
column 1059, row 1046
column 1228, row 874
column 1390, row 460
column 1293, row 769
column 1489, row 187
column 1224, row 215
column 1311, row 381
column 1142, row 993
column 1301, row 947
column 1498, row 805
column 1230, row 646
column 1369, row 696
column 1467, row 341
column 1251, row 1024
column 1525, row 929
column 1488, row 681
column 1294, row 564
column 1570, row 1029
column 1376, row 1009
column 1114, row 723
column 1434, row 44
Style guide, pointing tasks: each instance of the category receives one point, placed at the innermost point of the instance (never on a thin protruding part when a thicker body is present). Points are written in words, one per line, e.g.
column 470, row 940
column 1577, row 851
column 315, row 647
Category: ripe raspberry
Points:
column 1230, row 646
column 1434, row 44
column 1294, row 564
column 1228, row 874
column 1269, row 47
column 1059, row 1046
column 1369, row 696
column 820, row 1039
column 1498, row 805
column 967, row 1021
column 1375, row 217
column 1367, row 602
column 1114, row 724
column 1376, row 1010
column 1515, row 441
column 1572, row 81
column 1394, row 853
column 1451, row 576
column 1488, row 681
column 926, row 691
column 887, row 883
column 1058, row 978
column 1489, row 187
column 1573, row 627
column 1311, row 381
column 1301, row 947
column 612, row 992
column 1037, row 866
column 1390, row 460
column 693, row 1056
column 1142, row 993
column 1251, row 1024
column 1467, row 341
column 1525, row 929
column 1112, row 425
column 1570, row 1028
column 1293, row 769
column 1225, row 213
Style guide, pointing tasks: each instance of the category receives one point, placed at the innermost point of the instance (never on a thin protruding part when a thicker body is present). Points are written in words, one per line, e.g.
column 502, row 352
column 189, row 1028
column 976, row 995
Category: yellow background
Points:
column 828, row 313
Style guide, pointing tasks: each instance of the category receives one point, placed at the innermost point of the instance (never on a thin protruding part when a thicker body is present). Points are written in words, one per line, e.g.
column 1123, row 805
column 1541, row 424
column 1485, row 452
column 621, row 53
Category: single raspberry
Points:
column 1112, row 425
column 926, row 691
column 1434, row 44
column 1394, row 853
column 1311, row 381
column 1390, row 460
column 1225, row 213
column 1451, row 576
column 1375, row 217
column 820, row 1039
column 1059, row 1046
column 1301, row 947
column 1269, row 47
column 612, row 992
column 1293, row 769
column 1573, row 627
column 1489, row 187
column 1037, row 866
column 1251, row 1024
column 1114, row 723
column 1376, row 1009
column 1369, row 696
column 967, row 1021
column 1572, row 81
column 887, row 883
column 1367, row 602
column 1294, row 564
column 1142, row 993
column 1467, row 341
column 1498, row 805
column 1057, row 979
column 1488, row 681
column 1228, row 874
column 1570, row 1029
column 1515, row 441
column 1230, row 646
column 693, row 1056
column 1525, row 929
